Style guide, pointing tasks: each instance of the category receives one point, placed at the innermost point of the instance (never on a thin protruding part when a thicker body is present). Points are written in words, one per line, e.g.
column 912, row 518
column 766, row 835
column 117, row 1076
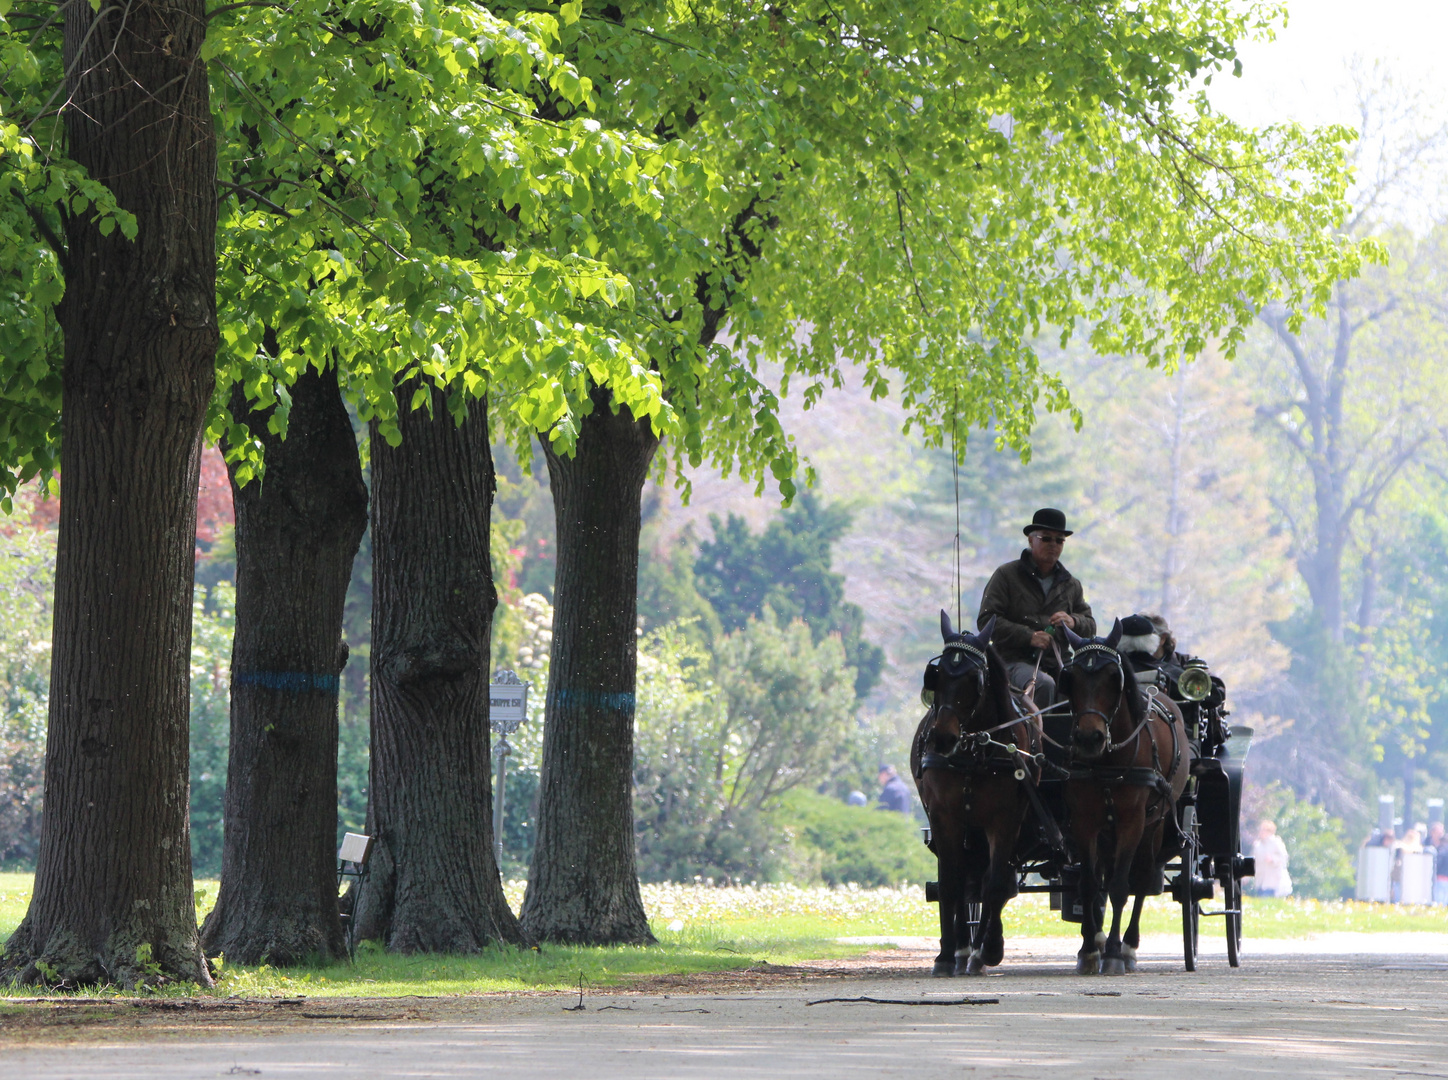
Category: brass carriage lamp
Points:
column 1195, row 683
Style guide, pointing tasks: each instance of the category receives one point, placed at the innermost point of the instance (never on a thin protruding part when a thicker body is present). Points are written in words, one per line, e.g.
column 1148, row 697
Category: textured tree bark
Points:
column 583, row 882
column 297, row 531
column 434, row 884
column 113, row 893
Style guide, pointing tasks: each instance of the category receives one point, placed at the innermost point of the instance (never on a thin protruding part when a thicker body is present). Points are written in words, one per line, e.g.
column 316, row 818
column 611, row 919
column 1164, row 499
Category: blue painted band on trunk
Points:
column 594, row 699
column 292, row 682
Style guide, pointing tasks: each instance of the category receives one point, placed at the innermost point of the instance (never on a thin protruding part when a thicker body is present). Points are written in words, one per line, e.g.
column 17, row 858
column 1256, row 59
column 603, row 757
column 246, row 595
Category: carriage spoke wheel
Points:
column 1191, row 909
column 1191, row 915
column 1233, row 889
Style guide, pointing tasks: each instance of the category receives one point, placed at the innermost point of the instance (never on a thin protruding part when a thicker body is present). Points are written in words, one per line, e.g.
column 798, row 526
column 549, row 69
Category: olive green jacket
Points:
column 1014, row 596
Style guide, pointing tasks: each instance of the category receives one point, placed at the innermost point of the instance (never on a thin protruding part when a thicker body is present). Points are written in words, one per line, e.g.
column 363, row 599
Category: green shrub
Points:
column 212, row 620
column 839, row 843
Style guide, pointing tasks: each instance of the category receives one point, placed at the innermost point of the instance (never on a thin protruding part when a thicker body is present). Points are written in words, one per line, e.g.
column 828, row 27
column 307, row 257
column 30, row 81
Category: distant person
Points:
column 857, row 798
column 1408, row 845
column 1030, row 599
column 1270, row 854
column 1439, row 844
column 894, row 795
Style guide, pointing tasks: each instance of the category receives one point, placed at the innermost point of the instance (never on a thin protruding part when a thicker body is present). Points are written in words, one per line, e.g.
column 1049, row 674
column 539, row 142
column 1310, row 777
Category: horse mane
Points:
column 1135, row 699
column 1000, row 684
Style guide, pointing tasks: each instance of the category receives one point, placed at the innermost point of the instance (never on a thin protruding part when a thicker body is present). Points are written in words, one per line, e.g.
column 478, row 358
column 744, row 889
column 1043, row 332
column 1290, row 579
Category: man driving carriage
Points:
column 1030, row 599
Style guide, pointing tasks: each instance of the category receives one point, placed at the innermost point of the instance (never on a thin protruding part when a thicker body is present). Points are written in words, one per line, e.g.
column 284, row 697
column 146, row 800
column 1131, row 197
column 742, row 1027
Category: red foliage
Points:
column 213, row 502
column 213, row 499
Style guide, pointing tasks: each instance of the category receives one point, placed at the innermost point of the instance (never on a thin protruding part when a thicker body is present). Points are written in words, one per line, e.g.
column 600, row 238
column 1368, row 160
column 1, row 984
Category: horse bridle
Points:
column 1115, row 656
column 981, row 738
column 977, row 661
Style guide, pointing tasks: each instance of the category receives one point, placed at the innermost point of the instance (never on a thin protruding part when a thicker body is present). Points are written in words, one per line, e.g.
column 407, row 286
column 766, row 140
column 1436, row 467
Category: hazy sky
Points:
column 1301, row 74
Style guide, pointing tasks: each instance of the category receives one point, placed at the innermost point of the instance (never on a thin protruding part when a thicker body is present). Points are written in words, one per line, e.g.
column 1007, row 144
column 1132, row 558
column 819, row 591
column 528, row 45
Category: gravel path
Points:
column 1287, row 1014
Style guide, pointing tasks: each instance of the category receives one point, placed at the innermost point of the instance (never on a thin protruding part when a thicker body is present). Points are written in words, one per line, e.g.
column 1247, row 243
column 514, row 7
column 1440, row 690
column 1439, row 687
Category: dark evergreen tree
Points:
column 786, row 569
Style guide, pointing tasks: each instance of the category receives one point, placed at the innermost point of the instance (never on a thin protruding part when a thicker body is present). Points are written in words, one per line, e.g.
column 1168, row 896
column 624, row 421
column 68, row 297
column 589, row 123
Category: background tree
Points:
column 296, row 534
column 113, row 898
column 1350, row 400
column 1175, row 516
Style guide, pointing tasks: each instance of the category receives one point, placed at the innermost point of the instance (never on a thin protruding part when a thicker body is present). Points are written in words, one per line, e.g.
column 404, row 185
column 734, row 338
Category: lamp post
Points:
column 507, row 708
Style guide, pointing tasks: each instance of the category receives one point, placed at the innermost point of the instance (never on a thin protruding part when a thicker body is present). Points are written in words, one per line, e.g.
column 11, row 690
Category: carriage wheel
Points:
column 1191, row 912
column 1233, row 890
column 973, row 914
column 1191, row 909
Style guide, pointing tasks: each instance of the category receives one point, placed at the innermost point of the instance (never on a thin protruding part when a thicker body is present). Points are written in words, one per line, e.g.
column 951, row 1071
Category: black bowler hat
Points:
column 1048, row 518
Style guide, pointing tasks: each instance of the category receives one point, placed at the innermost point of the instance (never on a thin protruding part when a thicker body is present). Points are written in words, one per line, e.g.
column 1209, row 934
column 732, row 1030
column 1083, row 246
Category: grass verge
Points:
column 704, row 929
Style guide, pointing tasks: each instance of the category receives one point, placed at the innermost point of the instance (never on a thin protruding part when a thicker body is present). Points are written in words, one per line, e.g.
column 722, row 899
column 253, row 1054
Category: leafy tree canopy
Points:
column 391, row 204
column 527, row 202
column 924, row 187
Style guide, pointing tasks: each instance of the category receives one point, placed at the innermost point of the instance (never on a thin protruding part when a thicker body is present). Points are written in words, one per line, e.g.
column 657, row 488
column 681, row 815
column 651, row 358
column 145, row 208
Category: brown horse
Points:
column 1129, row 765
column 969, row 774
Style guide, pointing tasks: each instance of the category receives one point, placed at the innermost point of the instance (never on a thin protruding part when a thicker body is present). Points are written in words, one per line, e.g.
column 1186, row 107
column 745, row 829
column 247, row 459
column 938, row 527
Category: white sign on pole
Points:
column 507, row 702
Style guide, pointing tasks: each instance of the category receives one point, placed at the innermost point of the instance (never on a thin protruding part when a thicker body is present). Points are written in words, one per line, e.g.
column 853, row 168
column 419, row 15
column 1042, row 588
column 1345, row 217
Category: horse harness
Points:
column 1108, row 776
column 977, row 753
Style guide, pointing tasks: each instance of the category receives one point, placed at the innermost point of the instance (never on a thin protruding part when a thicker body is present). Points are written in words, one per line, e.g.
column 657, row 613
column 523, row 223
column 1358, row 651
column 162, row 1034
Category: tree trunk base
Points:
column 128, row 958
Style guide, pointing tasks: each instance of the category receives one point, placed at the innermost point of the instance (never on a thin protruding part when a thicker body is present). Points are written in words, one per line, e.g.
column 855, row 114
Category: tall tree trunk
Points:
column 583, row 882
column 113, row 892
column 434, row 884
column 297, row 531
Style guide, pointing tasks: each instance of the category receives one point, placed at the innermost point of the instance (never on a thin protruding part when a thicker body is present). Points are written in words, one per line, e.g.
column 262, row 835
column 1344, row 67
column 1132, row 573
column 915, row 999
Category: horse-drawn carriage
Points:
column 1128, row 778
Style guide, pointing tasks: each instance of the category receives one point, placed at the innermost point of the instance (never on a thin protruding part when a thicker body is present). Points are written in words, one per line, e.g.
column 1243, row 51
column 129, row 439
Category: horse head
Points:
column 968, row 671
column 1097, row 681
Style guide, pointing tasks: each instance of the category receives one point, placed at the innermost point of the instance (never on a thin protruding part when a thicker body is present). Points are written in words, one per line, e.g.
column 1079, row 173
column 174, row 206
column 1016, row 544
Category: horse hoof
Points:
column 1089, row 964
column 995, row 950
column 1113, row 965
column 943, row 969
column 969, row 963
column 1128, row 954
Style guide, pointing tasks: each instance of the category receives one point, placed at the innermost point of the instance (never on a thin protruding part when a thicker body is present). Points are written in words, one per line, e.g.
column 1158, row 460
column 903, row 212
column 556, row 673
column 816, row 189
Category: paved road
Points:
column 1280, row 1015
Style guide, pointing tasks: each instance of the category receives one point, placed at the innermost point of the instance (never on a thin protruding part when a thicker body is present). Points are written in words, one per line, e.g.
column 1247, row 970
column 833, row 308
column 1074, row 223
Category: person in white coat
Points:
column 1270, row 854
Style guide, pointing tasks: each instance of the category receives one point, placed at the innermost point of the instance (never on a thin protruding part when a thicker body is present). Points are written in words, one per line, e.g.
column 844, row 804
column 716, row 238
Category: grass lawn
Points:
column 701, row 928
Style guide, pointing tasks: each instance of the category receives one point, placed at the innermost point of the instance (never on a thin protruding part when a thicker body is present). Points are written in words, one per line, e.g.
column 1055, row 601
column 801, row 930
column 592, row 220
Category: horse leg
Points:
column 1088, row 960
column 1127, row 840
column 951, row 889
column 1131, row 940
column 988, row 946
column 1145, row 872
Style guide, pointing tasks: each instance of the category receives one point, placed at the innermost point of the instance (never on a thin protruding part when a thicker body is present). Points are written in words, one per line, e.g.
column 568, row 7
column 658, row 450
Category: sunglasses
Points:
column 1048, row 539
